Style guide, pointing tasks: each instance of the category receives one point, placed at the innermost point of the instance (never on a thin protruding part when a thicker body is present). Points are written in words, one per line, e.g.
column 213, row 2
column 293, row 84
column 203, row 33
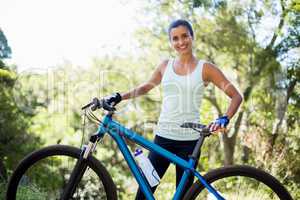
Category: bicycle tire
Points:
column 56, row 152
column 234, row 172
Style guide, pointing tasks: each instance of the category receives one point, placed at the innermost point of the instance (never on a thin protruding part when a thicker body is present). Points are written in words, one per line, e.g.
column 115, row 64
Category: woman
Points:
column 183, row 79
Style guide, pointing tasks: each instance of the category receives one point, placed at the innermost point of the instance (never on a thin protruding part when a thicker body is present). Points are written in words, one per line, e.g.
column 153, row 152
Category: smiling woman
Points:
column 43, row 34
column 181, row 38
column 183, row 81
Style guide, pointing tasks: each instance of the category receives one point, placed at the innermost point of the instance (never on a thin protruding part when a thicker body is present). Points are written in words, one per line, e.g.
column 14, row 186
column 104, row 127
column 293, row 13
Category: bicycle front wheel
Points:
column 44, row 174
column 239, row 183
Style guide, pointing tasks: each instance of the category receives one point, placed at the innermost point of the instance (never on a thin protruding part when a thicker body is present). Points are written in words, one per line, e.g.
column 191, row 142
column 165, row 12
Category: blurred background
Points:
column 55, row 56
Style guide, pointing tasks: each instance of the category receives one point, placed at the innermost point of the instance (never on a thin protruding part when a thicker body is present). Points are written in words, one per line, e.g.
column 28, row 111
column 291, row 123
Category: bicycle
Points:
column 232, row 182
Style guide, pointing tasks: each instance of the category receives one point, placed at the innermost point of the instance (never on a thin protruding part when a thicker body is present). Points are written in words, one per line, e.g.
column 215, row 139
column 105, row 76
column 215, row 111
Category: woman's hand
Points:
column 219, row 123
column 113, row 99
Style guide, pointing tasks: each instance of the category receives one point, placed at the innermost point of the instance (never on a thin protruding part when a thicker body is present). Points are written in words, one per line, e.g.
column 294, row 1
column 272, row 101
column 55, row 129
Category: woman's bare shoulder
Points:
column 163, row 65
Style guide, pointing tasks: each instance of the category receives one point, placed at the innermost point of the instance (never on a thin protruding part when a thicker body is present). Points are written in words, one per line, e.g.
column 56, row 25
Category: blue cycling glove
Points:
column 220, row 122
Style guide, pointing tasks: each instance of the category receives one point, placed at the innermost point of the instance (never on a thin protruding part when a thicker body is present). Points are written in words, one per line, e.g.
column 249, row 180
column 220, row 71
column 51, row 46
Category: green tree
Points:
column 15, row 139
column 263, row 62
column 5, row 50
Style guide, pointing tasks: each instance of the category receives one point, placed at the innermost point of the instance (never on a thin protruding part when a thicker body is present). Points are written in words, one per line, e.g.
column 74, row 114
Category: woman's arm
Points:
column 144, row 88
column 212, row 74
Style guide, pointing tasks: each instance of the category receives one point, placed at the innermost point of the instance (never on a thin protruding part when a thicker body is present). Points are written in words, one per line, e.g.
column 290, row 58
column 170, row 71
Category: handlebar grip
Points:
column 86, row 106
column 97, row 103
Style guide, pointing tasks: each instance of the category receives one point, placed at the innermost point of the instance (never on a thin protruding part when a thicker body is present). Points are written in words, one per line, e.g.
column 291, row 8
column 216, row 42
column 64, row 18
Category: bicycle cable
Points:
column 92, row 117
column 83, row 128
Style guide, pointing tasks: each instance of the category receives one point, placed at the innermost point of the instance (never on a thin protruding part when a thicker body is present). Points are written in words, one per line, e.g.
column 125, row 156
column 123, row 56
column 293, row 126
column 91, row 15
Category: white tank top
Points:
column 182, row 95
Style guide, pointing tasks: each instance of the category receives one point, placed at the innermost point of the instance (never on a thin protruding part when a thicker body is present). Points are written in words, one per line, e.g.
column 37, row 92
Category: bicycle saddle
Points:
column 200, row 128
column 192, row 125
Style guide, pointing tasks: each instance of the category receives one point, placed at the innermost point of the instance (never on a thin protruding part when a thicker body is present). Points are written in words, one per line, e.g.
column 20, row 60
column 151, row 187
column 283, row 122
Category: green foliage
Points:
column 5, row 50
column 7, row 77
column 15, row 142
column 209, row 4
column 295, row 5
column 266, row 72
column 227, row 34
column 15, row 139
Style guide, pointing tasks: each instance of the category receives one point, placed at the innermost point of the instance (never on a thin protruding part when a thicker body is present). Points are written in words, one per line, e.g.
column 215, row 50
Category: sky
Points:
column 47, row 33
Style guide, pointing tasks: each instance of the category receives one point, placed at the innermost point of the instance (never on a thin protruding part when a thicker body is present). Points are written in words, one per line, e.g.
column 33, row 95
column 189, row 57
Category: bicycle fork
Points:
column 75, row 178
column 80, row 168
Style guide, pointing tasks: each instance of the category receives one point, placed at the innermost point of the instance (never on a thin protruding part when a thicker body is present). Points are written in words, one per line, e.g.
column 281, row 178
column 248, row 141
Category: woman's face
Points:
column 181, row 40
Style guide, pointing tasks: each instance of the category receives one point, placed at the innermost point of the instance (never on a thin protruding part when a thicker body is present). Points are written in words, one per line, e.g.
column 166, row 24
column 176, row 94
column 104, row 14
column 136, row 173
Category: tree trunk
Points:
column 229, row 142
column 245, row 149
column 246, row 152
column 281, row 107
column 3, row 171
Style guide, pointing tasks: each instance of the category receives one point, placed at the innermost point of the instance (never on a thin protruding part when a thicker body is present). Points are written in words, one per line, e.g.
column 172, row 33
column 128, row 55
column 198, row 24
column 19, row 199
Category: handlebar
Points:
column 102, row 103
column 97, row 104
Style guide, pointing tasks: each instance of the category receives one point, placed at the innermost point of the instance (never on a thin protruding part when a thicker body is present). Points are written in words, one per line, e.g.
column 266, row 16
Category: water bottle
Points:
column 146, row 167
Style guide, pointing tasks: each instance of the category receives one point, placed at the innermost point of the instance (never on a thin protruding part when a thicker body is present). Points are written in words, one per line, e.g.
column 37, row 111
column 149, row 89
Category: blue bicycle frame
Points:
column 118, row 132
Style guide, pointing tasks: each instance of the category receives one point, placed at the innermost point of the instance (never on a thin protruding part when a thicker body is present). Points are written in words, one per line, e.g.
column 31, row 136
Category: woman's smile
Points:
column 181, row 39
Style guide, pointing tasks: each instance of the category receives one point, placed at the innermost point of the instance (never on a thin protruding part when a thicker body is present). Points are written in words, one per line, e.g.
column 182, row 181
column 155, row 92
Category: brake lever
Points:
column 96, row 104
